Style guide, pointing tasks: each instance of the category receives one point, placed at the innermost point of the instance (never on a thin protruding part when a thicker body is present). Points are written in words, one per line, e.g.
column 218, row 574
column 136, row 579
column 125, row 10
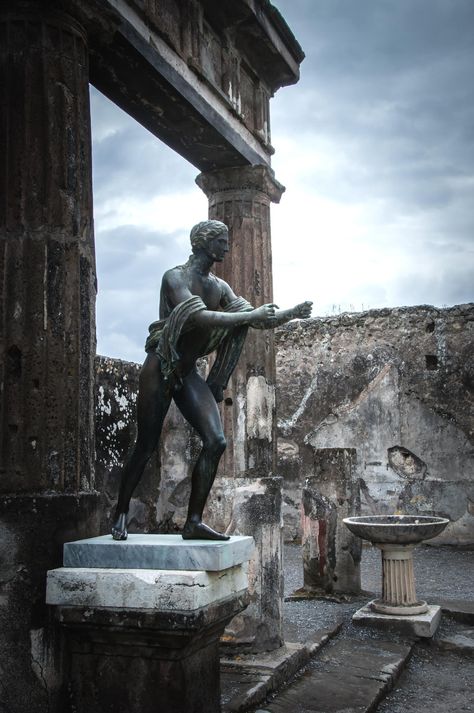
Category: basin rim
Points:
column 404, row 520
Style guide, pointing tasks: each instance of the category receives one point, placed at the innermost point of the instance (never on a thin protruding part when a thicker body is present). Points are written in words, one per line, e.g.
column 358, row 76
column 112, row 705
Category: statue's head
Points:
column 212, row 236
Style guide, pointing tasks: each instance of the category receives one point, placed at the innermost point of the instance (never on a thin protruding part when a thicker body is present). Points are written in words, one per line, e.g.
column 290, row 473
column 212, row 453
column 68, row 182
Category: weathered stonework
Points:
column 47, row 334
column 46, row 255
column 331, row 553
column 395, row 384
column 241, row 198
column 256, row 508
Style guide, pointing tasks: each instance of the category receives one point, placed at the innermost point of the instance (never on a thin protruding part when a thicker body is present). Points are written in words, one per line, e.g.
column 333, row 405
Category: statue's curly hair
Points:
column 202, row 232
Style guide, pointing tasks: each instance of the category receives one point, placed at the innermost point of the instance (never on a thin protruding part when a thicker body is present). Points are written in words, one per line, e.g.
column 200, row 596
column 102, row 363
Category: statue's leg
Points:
column 199, row 408
column 154, row 398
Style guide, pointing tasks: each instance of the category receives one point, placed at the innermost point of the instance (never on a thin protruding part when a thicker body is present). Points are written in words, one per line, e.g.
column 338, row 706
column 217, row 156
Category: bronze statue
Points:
column 199, row 313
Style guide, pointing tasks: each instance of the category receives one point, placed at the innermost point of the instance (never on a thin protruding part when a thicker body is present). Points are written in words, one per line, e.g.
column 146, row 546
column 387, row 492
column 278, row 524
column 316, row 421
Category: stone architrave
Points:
column 331, row 556
column 240, row 197
column 47, row 325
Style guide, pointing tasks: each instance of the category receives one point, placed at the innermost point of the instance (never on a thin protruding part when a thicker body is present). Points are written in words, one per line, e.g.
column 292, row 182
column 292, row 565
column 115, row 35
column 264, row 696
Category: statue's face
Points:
column 218, row 246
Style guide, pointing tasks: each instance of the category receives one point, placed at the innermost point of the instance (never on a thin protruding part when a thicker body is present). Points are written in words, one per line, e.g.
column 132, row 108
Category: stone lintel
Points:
column 423, row 625
column 167, row 590
column 167, row 552
column 190, row 116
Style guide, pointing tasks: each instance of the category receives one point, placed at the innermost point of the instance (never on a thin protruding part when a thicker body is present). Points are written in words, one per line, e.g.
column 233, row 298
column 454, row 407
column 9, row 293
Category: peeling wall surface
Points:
column 395, row 384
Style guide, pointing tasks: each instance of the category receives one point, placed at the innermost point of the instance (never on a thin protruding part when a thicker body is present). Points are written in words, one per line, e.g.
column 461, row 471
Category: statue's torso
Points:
column 194, row 342
column 207, row 287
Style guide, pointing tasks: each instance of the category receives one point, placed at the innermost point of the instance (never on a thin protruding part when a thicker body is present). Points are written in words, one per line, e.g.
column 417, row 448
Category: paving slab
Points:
column 158, row 552
column 434, row 681
column 456, row 637
column 350, row 676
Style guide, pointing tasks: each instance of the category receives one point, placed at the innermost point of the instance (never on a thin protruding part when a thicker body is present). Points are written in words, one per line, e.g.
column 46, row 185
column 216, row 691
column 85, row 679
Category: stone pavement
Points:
column 353, row 669
column 349, row 675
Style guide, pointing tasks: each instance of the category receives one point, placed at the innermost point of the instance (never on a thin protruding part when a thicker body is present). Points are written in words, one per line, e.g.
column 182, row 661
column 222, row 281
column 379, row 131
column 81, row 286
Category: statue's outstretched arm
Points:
column 177, row 291
column 282, row 316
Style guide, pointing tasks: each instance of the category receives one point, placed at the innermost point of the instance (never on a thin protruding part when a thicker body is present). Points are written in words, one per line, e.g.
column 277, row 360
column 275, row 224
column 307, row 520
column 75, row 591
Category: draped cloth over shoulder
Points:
column 164, row 335
column 228, row 351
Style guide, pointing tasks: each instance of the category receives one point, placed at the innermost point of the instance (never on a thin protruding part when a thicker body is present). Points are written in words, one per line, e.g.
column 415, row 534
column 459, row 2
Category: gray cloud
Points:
column 130, row 264
column 128, row 159
column 386, row 88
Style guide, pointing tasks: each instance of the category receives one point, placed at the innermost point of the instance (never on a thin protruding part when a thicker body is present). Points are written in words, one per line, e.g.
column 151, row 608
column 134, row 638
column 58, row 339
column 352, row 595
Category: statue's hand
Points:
column 264, row 314
column 303, row 310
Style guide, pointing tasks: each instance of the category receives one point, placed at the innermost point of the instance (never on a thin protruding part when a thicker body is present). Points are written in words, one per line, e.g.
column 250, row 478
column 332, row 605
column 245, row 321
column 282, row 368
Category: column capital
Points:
column 259, row 178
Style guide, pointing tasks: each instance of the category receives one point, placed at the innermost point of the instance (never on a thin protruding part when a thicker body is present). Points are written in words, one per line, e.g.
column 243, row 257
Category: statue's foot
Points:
column 200, row 531
column 119, row 528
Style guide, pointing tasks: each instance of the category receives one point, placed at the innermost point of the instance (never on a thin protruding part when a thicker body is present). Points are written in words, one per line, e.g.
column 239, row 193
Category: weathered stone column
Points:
column 331, row 554
column 47, row 328
column 240, row 197
column 246, row 493
column 46, row 254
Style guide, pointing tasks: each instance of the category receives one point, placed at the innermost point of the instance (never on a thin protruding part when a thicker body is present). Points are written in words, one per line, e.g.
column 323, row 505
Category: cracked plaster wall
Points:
column 397, row 385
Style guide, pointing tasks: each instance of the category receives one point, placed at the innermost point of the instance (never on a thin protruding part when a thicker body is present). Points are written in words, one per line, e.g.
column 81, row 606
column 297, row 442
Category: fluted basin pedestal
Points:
column 398, row 583
column 396, row 536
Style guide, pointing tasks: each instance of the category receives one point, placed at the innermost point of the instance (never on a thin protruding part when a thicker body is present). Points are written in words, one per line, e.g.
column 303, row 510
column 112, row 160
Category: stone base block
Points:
column 158, row 552
column 423, row 625
column 146, row 639
column 167, row 590
column 145, row 661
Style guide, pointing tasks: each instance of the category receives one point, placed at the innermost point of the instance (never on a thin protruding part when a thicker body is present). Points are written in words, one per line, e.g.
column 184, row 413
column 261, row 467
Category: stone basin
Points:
column 396, row 529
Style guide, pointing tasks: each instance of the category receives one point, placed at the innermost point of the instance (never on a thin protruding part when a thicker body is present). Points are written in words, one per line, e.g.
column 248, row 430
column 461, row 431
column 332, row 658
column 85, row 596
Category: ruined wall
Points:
column 395, row 384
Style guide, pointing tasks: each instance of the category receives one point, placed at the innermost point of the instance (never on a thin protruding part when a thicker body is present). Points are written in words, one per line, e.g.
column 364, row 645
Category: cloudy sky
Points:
column 375, row 145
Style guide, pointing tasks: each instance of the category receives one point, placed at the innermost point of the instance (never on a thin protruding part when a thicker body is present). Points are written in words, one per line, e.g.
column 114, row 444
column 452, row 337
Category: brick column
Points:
column 247, row 493
column 47, row 330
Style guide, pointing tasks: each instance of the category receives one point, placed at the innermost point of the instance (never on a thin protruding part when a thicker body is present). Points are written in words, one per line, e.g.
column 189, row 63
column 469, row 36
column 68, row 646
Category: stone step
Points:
column 454, row 636
column 459, row 609
column 350, row 676
column 247, row 680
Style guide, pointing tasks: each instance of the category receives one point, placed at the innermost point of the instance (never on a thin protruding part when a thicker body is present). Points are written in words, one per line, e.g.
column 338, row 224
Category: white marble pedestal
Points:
column 142, row 620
